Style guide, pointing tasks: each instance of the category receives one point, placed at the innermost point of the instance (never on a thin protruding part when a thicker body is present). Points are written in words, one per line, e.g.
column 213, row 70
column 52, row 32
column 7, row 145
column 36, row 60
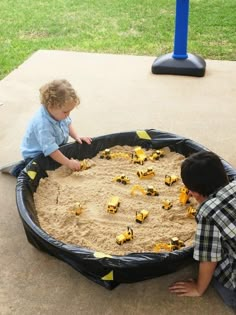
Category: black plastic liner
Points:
column 108, row 271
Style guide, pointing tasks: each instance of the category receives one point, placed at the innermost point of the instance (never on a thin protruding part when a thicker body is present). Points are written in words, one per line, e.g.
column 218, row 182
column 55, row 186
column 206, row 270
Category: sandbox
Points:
column 102, row 267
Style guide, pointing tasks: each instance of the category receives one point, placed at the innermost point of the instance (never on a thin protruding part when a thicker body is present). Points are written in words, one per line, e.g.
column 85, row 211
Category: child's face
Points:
column 200, row 198
column 63, row 112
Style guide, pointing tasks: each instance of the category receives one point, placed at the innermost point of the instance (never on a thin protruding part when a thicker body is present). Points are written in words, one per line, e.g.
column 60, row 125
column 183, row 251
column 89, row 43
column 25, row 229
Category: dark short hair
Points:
column 204, row 173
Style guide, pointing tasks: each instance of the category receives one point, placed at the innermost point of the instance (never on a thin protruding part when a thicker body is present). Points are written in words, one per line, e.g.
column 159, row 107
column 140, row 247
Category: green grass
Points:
column 135, row 27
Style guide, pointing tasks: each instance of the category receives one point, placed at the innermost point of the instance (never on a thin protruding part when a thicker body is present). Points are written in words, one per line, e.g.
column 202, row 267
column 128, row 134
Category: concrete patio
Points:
column 118, row 93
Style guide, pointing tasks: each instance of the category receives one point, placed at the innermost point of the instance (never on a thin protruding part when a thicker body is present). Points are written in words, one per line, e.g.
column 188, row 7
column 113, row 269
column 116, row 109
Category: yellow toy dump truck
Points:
column 174, row 244
column 166, row 204
column 184, row 195
column 122, row 179
column 149, row 191
column 141, row 215
column 171, row 179
column 139, row 156
column 124, row 237
column 156, row 155
column 148, row 173
column 191, row 212
column 113, row 204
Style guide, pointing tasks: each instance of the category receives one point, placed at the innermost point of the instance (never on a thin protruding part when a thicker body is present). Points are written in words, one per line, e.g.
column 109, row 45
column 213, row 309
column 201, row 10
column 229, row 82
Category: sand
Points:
column 95, row 228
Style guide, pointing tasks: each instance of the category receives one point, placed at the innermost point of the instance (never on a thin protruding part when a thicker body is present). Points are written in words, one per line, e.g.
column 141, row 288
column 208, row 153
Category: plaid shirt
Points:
column 215, row 238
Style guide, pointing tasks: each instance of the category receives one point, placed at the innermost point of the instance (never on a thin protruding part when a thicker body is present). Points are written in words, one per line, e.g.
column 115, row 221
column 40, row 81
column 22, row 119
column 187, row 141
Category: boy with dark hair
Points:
column 215, row 241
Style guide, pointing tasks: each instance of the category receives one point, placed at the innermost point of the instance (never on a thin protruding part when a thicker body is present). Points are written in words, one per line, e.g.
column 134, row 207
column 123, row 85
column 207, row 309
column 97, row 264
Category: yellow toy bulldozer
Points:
column 124, row 237
column 156, row 155
column 148, row 173
column 171, row 179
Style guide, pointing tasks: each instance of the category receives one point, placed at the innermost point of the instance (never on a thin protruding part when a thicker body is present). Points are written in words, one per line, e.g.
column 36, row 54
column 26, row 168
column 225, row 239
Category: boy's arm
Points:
column 75, row 136
column 195, row 288
column 57, row 156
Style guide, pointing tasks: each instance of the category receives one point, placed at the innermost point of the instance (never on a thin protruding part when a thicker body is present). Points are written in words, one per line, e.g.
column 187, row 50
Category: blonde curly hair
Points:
column 57, row 93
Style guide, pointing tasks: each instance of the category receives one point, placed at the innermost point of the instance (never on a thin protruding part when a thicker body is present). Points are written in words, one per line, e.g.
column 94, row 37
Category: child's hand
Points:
column 88, row 140
column 74, row 165
column 185, row 288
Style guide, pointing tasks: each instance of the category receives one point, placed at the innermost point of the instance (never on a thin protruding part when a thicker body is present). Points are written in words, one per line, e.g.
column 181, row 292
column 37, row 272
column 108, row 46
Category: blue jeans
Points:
column 228, row 296
column 19, row 167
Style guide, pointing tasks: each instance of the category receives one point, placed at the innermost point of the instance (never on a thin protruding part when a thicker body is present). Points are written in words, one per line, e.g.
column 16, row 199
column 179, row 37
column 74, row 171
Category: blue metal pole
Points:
column 181, row 29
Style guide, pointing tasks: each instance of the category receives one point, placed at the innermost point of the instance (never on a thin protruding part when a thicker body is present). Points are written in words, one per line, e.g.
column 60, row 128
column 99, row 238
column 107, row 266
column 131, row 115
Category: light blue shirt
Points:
column 44, row 134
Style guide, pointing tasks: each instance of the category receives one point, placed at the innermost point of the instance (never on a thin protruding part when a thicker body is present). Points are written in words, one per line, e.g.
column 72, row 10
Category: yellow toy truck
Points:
column 184, row 195
column 166, row 204
column 122, row 179
column 124, row 237
column 113, row 204
column 151, row 191
column 138, row 156
column 141, row 215
column 171, row 179
column 156, row 155
column 148, row 173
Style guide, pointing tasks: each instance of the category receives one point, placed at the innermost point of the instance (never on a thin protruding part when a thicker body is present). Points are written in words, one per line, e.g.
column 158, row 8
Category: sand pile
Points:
column 95, row 228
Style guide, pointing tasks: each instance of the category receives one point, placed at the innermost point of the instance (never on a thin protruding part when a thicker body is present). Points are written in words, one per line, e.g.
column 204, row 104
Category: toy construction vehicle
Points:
column 184, row 195
column 191, row 212
column 113, row 204
column 141, row 216
column 149, row 173
column 171, row 179
column 124, row 237
column 138, row 156
column 122, row 179
column 106, row 154
column 156, row 155
column 76, row 208
column 149, row 191
column 86, row 164
column 166, row 204
column 174, row 244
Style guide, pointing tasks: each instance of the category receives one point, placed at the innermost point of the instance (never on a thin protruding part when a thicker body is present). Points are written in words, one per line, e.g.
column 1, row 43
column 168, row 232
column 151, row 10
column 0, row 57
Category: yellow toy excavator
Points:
column 150, row 191
column 174, row 244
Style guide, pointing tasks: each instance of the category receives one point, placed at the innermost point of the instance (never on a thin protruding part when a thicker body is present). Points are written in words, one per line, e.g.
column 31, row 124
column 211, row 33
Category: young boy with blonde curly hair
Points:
column 51, row 126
